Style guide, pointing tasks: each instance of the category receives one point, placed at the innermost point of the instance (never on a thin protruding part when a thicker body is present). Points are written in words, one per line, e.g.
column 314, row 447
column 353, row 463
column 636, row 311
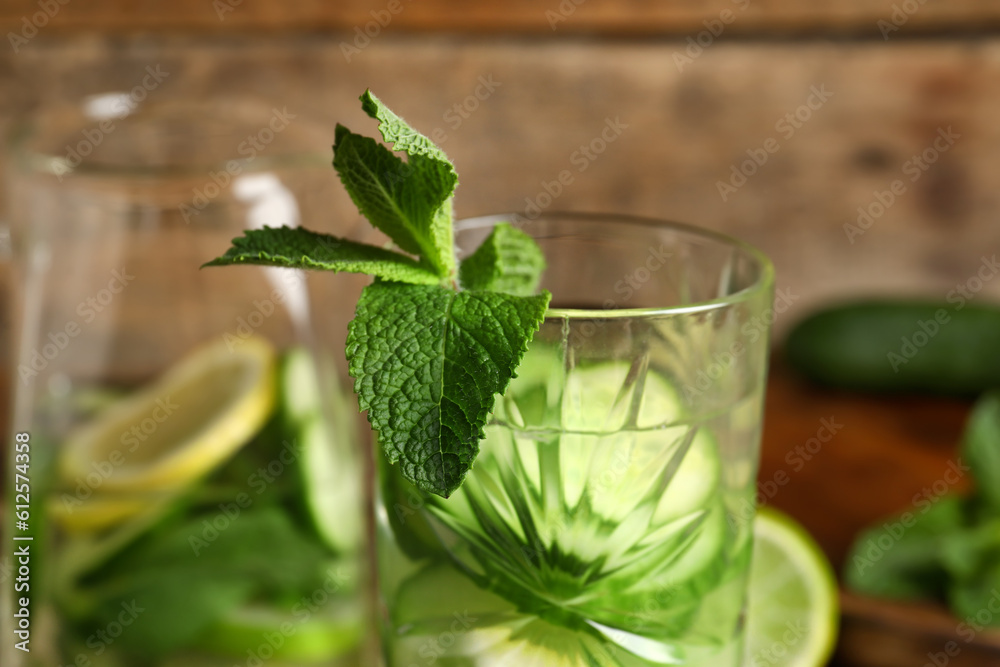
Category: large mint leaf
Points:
column 299, row 248
column 428, row 363
column 409, row 201
column 507, row 261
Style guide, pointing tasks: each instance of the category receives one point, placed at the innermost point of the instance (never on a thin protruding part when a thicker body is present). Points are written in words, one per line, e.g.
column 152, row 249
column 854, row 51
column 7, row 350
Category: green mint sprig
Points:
column 432, row 342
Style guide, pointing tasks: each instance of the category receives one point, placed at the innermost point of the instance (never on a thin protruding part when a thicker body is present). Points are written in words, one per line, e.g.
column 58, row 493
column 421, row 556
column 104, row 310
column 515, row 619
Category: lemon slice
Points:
column 175, row 430
column 96, row 513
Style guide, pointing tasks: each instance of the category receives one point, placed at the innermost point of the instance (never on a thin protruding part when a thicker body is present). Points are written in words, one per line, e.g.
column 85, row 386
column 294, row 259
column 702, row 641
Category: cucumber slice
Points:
column 677, row 575
column 331, row 474
column 300, row 394
column 439, row 604
column 532, row 400
column 331, row 485
column 644, row 442
column 699, row 566
column 427, row 602
column 608, row 397
column 631, row 487
column 297, row 634
column 694, row 483
column 401, row 513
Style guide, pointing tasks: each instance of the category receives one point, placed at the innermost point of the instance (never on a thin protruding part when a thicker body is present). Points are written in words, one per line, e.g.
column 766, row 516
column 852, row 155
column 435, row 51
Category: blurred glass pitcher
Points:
column 192, row 476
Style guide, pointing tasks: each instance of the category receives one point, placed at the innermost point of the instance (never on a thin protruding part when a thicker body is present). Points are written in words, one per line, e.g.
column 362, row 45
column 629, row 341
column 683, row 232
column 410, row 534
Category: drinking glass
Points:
column 607, row 519
column 190, row 475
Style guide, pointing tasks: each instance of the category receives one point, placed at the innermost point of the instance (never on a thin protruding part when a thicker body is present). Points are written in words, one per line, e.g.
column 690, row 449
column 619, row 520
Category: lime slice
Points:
column 177, row 429
column 793, row 612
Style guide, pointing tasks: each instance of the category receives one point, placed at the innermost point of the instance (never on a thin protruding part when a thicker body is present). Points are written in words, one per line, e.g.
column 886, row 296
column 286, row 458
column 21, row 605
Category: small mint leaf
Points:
column 404, row 138
column 428, row 363
column 298, row 248
column 409, row 201
column 423, row 155
column 507, row 261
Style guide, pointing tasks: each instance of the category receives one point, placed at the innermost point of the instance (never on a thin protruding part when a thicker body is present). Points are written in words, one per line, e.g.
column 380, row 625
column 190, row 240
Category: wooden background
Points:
column 689, row 124
column 897, row 74
column 632, row 17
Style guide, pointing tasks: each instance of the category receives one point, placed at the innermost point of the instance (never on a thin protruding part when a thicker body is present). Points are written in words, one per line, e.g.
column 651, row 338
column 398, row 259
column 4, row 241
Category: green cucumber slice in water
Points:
column 299, row 634
column 330, row 473
column 300, row 395
column 646, row 438
column 695, row 482
column 440, row 601
column 609, row 396
column 332, row 490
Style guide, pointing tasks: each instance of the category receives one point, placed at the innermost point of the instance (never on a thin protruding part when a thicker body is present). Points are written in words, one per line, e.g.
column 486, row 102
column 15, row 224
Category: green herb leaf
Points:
column 903, row 558
column 404, row 138
column 507, row 261
column 298, row 248
column 409, row 201
column 973, row 549
column 428, row 363
column 969, row 597
column 176, row 584
column 981, row 448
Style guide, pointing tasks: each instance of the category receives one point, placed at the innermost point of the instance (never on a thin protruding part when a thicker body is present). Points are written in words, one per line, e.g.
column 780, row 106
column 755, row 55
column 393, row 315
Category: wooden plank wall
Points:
column 837, row 109
column 632, row 17
column 689, row 125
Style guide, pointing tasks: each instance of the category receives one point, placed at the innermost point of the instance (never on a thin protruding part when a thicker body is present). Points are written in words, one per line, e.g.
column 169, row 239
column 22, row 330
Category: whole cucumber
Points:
column 900, row 346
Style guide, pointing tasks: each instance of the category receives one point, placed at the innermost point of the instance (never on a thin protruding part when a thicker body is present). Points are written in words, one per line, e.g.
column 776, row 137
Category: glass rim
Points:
column 51, row 163
column 763, row 283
